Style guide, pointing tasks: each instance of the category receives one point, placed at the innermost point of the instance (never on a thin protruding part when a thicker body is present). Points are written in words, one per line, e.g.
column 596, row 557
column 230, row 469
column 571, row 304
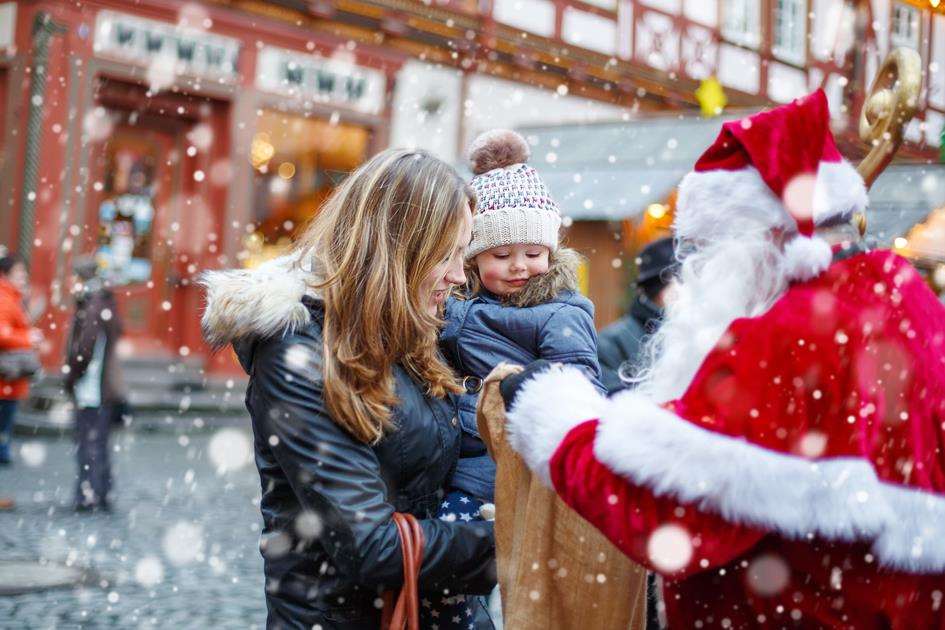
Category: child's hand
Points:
column 501, row 372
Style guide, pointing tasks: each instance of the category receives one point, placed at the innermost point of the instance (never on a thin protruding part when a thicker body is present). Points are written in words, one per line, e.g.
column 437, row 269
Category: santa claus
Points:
column 780, row 461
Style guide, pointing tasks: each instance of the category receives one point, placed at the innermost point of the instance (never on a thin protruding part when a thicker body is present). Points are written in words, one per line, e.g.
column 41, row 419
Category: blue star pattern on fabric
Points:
column 452, row 612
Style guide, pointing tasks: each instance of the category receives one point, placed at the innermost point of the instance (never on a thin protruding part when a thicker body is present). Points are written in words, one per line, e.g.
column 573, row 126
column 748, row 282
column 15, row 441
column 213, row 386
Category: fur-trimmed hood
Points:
column 256, row 303
column 562, row 275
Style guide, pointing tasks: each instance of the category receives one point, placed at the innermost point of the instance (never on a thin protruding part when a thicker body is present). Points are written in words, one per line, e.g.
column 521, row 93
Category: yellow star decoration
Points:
column 711, row 97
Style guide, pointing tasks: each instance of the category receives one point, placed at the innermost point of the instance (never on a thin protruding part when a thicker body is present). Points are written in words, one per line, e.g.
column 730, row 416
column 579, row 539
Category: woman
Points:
column 353, row 409
column 16, row 335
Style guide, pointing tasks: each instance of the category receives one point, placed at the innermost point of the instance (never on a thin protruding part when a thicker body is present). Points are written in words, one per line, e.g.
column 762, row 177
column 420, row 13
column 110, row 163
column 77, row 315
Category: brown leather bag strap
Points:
column 418, row 543
column 402, row 611
column 405, row 612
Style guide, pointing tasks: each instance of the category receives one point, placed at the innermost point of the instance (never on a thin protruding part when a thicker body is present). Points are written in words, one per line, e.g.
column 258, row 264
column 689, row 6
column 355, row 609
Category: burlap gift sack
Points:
column 555, row 570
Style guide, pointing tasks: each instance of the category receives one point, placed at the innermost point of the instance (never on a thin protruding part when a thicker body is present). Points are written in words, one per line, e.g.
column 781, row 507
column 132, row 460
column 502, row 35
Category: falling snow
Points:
column 669, row 548
column 229, row 450
column 225, row 191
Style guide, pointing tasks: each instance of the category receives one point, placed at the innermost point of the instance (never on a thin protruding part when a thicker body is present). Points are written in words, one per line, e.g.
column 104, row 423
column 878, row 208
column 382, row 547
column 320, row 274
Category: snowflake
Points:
column 183, row 543
column 149, row 571
column 229, row 449
column 768, row 575
column 669, row 548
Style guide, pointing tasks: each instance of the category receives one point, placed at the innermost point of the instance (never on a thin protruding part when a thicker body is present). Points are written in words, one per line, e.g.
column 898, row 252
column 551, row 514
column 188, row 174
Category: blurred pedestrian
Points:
column 93, row 382
column 19, row 359
column 619, row 345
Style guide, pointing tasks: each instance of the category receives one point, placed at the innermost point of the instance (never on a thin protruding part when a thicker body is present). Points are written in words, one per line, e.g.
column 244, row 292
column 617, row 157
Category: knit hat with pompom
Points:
column 514, row 205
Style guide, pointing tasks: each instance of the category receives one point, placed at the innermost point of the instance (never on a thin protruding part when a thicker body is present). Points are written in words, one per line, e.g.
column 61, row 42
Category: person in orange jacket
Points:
column 16, row 333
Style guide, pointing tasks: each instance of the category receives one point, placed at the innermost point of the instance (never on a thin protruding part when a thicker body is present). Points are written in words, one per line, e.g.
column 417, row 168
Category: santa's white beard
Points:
column 738, row 276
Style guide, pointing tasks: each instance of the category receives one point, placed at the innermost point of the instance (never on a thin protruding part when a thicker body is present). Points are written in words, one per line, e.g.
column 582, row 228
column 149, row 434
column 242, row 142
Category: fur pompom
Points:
column 497, row 148
column 806, row 258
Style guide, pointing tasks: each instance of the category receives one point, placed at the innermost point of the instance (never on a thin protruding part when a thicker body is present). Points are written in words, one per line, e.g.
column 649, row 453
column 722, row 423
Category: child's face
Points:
column 505, row 270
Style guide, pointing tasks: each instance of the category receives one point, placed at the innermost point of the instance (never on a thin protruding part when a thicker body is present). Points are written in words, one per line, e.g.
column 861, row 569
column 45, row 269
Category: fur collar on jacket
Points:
column 261, row 302
column 562, row 275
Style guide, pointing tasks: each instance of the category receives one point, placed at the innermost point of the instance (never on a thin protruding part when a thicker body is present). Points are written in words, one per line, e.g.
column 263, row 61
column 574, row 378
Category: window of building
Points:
column 741, row 22
column 904, row 30
column 297, row 160
column 789, row 41
column 132, row 178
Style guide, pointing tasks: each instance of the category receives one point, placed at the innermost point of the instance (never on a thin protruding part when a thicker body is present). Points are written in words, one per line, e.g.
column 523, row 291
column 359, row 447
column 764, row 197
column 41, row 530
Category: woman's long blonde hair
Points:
column 373, row 243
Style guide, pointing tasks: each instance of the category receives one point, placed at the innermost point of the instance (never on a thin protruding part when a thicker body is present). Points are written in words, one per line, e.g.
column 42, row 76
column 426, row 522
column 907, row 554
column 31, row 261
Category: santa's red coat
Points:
column 798, row 482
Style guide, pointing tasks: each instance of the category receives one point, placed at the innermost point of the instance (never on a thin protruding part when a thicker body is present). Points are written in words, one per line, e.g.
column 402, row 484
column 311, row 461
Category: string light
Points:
column 261, row 150
column 657, row 210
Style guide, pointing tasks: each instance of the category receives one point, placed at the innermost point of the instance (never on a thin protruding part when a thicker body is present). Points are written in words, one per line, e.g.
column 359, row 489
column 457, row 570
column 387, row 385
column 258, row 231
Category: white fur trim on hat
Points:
column 839, row 191
column 716, row 202
column 806, row 258
column 710, row 201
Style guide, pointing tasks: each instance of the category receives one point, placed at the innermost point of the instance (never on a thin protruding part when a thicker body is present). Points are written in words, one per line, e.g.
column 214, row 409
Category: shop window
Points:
column 126, row 211
column 297, row 162
column 741, row 22
column 790, row 30
column 904, row 30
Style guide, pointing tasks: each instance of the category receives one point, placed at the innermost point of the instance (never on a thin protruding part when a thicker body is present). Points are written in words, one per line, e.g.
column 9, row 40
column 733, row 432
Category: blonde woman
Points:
column 353, row 408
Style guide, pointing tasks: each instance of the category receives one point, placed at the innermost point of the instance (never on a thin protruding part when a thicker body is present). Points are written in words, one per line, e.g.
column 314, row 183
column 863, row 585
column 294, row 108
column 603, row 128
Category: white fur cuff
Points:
column 838, row 498
column 546, row 409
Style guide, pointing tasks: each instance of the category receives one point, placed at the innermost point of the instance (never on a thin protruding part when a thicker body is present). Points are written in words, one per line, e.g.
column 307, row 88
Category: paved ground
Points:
column 179, row 550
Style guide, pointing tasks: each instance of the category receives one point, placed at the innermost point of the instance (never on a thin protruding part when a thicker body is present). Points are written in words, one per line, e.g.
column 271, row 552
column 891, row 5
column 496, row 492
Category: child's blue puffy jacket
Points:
column 555, row 323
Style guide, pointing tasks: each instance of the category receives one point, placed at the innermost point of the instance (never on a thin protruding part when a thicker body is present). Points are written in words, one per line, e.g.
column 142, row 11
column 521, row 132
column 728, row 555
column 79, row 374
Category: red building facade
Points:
column 129, row 137
column 168, row 137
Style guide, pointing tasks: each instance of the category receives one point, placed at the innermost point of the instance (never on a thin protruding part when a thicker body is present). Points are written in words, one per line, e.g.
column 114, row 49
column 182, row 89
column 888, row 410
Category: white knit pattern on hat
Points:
column 514, row 207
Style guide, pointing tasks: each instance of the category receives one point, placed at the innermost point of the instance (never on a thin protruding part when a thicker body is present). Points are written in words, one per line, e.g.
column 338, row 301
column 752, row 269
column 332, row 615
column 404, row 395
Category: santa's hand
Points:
column 510, row 386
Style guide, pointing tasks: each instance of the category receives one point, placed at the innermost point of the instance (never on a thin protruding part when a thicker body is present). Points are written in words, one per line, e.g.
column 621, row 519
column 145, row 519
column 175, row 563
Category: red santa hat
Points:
column 779, row 169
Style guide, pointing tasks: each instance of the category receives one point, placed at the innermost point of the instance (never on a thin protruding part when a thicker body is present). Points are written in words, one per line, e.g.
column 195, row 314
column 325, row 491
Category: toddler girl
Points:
column 521, row 304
